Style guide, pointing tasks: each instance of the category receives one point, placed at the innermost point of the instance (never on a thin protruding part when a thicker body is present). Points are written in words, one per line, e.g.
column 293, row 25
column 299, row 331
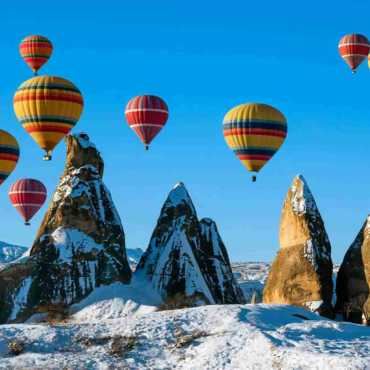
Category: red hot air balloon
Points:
column 146, row 115
column 354, row 49
column 35, row 51
column 27, row 196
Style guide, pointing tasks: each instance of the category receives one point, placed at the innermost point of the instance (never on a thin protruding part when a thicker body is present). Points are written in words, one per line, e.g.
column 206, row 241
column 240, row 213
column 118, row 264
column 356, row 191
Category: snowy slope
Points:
column 9, row 252
column 208, row 337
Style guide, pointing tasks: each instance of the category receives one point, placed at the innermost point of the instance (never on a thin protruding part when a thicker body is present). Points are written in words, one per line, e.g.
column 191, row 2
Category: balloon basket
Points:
column 27, row 223
column 47, row 157
column 146, row 147
column 254, row 178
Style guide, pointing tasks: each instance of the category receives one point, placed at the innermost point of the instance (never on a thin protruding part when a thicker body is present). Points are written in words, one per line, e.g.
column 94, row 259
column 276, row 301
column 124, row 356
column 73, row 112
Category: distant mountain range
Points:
column 10, row 252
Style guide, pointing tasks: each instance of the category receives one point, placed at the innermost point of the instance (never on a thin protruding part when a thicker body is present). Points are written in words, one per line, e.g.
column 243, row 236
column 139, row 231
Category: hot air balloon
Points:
column 254, row 132
column 9, row 154
column 35, row 51
column 27, row 196
column 48, row 107
column 146, row 115
column 354, row 49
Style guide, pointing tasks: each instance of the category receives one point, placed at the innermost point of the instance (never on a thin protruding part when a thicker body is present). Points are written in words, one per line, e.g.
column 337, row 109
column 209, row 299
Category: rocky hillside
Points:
column 301, row 274
column 79, row 246
column 186, row 257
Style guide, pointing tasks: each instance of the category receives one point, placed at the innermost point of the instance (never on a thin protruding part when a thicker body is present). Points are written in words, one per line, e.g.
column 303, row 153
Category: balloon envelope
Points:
column 354, row 48
column 35, row 51
column 27, row 196
column 9, row 154
column 254, row 132
column 48, row 107
column 146, row 115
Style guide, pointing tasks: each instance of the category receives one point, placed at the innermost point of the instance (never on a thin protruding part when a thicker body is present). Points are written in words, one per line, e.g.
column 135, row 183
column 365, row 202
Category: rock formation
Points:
column 353, row 279
column 186, row 257
column 301, row 274
column 80, row 244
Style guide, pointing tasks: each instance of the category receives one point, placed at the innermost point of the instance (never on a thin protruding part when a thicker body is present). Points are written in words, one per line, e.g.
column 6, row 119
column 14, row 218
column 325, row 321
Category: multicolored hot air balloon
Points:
column 254, row 132
column 146, row 115
column 354, row 49
column 9, row 154
column 27, row 196
column 48, row 107
column 35, row 51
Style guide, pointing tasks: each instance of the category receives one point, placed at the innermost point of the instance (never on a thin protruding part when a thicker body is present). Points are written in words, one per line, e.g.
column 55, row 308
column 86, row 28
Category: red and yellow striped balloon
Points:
column 48, row 107
column 27, row 196
column 254, row 132
column 9, row 154
column 354, row 49
column 146, row 115
column 35, row 51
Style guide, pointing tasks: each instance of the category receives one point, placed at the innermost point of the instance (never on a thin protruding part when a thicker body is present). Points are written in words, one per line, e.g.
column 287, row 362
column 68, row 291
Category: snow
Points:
column 302, row 200
column 69, row 239
column 193, row 277
column 21, row 297
column 116, row 301
column 179, row 195
column 218, row 337
column 84, row 141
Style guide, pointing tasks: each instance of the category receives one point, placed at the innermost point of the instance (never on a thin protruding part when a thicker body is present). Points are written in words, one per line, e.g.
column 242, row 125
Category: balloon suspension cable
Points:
column 27, row 223
column 254, row 178
column 47, row 156
column 146, row 147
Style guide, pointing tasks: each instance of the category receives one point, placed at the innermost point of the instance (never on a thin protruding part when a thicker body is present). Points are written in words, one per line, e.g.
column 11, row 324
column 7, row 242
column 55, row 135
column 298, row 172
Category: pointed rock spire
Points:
column 301, row 274
column 181, row 256
column 353, row 279
column 80, row 244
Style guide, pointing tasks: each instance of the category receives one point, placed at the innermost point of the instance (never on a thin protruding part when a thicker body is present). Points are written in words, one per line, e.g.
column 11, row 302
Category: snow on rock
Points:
column 79, row 247
column 216, row 266
column 353, row 279
column 302, row 271
column 181, row 261
column 223, row 337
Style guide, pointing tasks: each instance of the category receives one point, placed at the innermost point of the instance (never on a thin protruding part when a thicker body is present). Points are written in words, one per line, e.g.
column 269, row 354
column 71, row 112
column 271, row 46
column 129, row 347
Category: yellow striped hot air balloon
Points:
column 48, row 107
column 9, row 154
column 254, row 132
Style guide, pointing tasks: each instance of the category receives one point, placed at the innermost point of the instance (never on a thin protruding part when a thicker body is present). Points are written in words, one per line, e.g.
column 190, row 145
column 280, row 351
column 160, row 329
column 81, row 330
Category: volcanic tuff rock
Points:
column 187, row 258
column 353, row 280
column 80, row 244
column 301, row 274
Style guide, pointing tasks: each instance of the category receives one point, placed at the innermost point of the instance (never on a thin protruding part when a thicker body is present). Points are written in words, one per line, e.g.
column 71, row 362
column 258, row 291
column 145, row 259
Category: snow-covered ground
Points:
column 209, row 337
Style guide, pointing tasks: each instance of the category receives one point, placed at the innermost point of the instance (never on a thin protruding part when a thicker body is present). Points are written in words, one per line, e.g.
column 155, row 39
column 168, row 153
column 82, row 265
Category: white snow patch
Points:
column 231, row 337
column 302, row 200
column 20, row 299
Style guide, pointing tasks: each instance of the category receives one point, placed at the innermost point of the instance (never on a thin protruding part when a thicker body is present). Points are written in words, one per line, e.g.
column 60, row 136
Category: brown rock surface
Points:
column 301, row 273
column 353, row 280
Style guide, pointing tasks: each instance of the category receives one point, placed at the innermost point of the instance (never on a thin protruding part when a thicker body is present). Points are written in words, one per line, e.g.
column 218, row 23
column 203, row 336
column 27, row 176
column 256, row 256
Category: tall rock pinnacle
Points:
column 185, row 257
column 301, row 274
column 353, row 279
column 80, row 244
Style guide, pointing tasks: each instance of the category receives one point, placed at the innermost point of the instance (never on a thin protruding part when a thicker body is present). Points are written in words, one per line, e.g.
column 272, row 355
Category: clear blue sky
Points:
column 202, row 57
